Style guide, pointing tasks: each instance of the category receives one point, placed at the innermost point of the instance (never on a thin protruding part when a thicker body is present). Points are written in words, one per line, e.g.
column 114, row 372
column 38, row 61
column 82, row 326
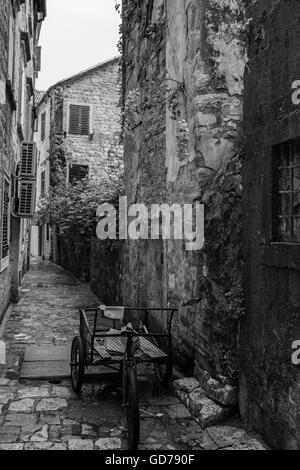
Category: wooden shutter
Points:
column 79, row 122
column 5, row 221
column 78, row 172
column 38, row 54
column 43, row 182
column 74, row 119
column 85, row 120
column 43, row 125
column 26, row 199
column 28, row 160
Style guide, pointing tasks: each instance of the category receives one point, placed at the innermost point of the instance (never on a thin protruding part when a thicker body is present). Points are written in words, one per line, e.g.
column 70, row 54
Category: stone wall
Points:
column 189, row 54
column 4, row 139
column 100, row 89
column 15, row 126
column 106, row 270
column 270, row 383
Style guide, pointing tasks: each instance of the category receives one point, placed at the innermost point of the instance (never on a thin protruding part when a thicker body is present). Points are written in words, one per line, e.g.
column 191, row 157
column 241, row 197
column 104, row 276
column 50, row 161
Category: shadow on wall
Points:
column 97, row 262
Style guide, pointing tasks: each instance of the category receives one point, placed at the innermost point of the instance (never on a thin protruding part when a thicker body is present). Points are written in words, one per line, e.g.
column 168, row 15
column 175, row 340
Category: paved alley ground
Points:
column 42, row 415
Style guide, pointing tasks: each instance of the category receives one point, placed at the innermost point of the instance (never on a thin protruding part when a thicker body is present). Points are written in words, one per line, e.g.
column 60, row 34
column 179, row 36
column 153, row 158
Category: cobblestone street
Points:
column 42, row 415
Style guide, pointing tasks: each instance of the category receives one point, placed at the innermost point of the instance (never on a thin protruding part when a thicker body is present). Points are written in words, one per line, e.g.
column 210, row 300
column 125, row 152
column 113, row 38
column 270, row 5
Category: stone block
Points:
column 33, row 392
column 15, row 446
column 51, row 404
column 224, row 394
column 205, row 410
column 113, row 443
column 186, row 385
column 234, row 438
column 22, row 406
column 41, row 435
column 80, row 444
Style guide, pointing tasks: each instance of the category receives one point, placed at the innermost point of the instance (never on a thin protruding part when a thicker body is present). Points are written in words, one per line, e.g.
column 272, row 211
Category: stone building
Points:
column 270, row 382
column 184, row 77
column 20, row 25
column 81, row 114
column 183, row 81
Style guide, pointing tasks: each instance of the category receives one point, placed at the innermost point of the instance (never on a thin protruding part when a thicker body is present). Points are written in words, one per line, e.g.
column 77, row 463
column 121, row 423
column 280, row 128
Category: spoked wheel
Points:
column 132, row 408
column 77, row 364
column 164, row 370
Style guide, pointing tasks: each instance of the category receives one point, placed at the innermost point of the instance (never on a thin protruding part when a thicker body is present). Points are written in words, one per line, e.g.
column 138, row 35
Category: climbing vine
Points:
column 182, row 137
column 222, row 197
column 131, row 115
column 220, row 286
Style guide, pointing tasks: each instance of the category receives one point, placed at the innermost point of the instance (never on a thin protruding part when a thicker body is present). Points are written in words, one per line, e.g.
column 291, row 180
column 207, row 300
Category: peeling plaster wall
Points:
column 197, row 44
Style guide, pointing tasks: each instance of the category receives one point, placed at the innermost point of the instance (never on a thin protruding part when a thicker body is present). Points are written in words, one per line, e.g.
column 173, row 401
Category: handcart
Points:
column 121, row 338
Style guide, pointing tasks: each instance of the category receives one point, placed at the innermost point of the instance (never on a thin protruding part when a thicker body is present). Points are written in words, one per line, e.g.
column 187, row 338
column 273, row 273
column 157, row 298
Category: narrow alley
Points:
column 48, row 415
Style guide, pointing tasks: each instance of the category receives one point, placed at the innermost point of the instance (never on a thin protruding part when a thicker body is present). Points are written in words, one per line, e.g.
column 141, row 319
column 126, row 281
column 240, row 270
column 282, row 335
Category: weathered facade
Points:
column 270, row 382
column 81, row 116
column 183, row 79
column 20, row 24
column 79, row 130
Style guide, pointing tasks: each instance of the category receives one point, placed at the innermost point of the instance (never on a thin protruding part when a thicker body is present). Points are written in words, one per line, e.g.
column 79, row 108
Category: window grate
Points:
column 286, row 193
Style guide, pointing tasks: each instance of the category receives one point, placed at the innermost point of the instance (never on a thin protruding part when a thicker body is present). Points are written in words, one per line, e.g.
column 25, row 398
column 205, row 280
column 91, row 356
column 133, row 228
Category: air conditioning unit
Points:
column 26, row 199
column 28, row 160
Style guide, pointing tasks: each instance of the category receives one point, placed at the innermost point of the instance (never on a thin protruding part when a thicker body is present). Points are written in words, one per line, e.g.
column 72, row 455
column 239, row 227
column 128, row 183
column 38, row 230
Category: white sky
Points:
column 76, row 35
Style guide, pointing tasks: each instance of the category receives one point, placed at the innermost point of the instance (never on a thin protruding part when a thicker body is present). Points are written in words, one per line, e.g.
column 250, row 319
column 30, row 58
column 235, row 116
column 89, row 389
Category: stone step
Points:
column 206, row 411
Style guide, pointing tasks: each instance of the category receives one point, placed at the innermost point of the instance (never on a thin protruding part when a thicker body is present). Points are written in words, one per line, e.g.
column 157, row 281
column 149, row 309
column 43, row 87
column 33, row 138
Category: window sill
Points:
column 282, row 255
column 78, row 135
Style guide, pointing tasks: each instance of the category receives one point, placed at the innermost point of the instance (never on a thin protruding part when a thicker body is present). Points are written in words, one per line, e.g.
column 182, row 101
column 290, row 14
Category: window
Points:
column 286, row 192
column 12, row 46
column 79, row 120
column 5, row 225
column 43, row 184
column 38, row 60
column 43, row 125
column 78, row 172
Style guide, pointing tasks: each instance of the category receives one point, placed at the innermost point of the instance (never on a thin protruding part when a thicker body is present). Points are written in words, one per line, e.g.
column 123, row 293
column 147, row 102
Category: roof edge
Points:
column 78, row 76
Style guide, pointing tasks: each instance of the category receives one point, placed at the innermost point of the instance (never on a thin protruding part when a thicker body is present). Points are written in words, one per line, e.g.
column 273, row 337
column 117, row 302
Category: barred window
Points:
column 286, row 192
column 79, row 120
column 5, row 221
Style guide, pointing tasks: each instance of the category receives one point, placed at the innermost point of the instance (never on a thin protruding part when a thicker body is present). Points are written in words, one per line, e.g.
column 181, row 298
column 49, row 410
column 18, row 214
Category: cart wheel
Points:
column 77, row 364
column 132, row 408
column 163, row 371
